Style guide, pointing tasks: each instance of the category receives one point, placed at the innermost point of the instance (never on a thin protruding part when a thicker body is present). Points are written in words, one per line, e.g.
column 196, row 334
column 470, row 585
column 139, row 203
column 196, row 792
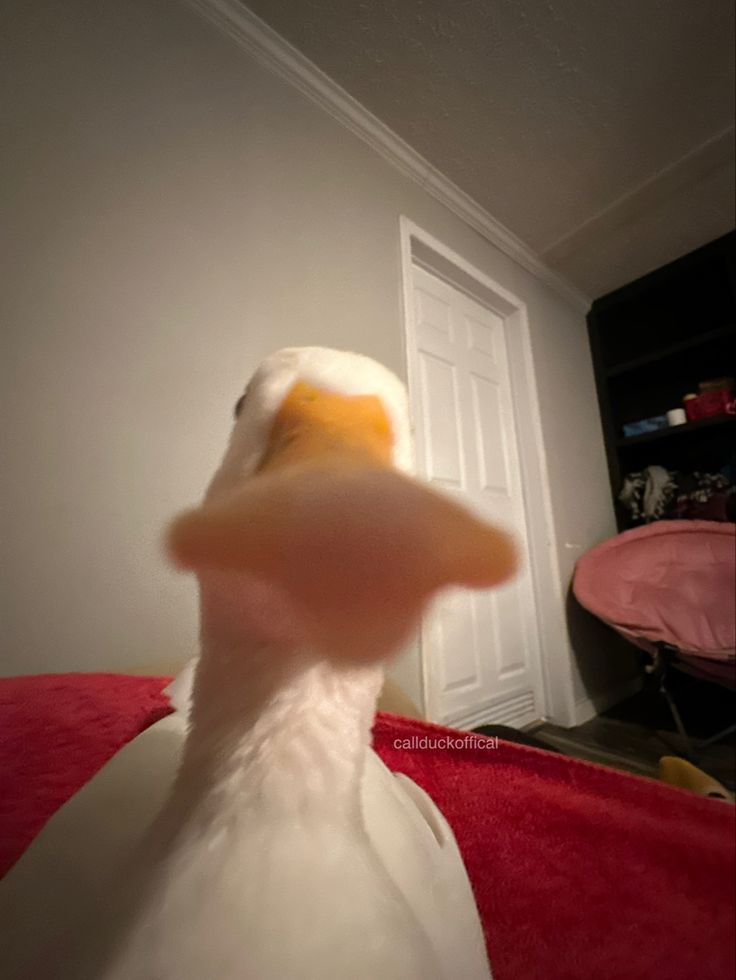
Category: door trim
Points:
column 420, row 248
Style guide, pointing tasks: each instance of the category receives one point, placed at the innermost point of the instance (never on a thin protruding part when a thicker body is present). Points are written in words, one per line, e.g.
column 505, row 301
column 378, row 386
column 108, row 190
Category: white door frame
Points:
column 418, row 247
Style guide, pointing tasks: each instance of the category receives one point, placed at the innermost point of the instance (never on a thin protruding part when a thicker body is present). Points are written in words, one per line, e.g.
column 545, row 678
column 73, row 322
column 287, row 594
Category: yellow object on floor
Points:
column 683, row 774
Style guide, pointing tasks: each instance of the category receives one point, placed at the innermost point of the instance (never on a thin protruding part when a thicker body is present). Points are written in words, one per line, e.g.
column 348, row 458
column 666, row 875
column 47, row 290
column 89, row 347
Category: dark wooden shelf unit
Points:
column 684, row 346
column 652, row 342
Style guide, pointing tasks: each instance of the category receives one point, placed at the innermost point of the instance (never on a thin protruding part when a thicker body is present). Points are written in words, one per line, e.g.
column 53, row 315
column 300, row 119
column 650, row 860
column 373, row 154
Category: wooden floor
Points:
column 635, row 733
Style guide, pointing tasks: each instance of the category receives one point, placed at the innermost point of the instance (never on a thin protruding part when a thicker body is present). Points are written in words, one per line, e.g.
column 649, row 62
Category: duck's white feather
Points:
column 267, row 842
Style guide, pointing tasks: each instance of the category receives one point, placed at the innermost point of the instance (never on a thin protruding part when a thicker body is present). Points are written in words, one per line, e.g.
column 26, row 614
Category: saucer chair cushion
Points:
column 670, row 582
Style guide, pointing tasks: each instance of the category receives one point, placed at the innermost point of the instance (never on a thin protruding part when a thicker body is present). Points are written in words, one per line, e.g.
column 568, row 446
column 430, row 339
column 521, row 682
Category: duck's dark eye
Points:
column 241, row 401
column 239, row 404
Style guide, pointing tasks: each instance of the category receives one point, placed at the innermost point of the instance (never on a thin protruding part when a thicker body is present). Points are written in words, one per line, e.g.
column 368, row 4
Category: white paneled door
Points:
column 480, row 650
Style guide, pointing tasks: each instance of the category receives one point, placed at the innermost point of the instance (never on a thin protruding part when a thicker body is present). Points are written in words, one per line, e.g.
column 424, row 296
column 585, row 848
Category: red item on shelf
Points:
column 710, row 403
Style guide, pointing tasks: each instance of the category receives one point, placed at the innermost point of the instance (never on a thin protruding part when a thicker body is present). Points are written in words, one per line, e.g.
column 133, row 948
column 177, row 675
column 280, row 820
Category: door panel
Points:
column 433, row 313
column 440, row 401
column 457, row 627
column 480, row 335
column 489, row 435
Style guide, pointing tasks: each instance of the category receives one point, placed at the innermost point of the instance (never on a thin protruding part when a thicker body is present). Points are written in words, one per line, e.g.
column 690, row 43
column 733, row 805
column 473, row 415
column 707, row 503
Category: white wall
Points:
column 174, row 213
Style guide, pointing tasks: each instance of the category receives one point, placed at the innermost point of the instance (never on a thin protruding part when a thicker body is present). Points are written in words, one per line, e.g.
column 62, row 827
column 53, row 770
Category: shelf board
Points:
column 678, row 348
column 676, row 430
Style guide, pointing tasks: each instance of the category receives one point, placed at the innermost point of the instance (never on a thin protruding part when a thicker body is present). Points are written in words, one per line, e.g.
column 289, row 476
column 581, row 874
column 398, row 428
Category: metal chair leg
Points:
column 689, row 751
column 716, row 738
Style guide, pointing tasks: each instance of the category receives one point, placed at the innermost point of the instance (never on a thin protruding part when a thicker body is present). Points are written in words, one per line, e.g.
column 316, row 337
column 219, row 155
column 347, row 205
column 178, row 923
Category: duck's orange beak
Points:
column 318, row 427
column 357, row 546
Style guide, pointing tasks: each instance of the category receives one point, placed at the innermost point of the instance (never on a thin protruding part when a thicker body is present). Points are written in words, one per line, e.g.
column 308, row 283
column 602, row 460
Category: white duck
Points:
column 284, row 849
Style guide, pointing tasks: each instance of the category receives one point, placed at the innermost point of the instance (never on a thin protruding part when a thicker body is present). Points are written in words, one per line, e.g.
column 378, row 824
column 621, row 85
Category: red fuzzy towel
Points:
column 579, row 871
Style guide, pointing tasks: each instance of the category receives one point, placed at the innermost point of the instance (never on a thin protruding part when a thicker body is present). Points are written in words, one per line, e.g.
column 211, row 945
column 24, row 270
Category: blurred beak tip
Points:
column 178, row 542
column 496, row 562
column 509, row 558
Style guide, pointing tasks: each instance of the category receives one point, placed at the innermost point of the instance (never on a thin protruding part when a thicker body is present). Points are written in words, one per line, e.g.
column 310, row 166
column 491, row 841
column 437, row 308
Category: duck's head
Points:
column 314, row 504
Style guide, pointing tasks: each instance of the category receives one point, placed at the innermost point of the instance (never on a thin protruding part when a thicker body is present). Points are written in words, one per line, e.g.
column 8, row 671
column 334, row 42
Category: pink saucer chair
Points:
column 670, row 588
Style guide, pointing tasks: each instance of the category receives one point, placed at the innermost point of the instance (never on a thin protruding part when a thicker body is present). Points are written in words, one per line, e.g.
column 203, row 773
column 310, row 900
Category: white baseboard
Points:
column 588, row 707
column 516, row 711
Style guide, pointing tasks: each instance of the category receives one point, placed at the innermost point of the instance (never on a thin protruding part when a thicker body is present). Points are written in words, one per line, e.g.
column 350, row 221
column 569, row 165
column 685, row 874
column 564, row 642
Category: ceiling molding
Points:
column 711, row 155
column 260, row 41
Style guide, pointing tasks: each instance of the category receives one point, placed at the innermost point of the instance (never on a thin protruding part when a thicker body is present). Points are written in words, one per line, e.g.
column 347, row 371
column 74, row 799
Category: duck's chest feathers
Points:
column 261, row 866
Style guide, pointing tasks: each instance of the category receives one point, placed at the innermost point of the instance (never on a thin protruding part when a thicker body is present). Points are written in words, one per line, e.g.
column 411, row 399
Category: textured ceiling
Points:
column 599, row 132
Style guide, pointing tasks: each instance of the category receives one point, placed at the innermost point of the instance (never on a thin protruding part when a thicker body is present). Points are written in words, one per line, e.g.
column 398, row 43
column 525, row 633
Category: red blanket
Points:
column 579, row 871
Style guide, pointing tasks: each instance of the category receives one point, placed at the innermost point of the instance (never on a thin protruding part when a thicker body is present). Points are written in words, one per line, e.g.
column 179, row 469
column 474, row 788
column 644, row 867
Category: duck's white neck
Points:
column 275, row 727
